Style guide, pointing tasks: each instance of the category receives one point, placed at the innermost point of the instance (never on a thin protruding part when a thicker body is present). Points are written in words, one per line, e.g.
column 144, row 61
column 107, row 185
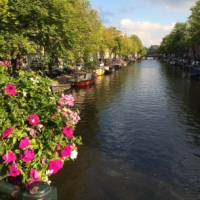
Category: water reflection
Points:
column 140, row 128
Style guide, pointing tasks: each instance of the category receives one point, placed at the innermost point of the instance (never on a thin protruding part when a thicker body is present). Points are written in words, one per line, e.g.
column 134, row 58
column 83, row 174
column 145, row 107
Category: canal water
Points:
column 141, row 134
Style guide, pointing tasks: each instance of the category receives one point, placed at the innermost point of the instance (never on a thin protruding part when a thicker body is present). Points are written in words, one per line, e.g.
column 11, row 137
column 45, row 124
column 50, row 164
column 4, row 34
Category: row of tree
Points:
column 184, row 40
column 59, row 30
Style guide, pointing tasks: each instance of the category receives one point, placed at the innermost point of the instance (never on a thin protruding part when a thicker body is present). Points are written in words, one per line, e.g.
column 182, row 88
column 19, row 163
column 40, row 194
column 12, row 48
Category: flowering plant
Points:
column 36, row 128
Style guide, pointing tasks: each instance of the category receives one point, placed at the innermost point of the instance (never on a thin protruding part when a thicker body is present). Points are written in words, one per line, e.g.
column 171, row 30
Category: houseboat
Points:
column 83, row 80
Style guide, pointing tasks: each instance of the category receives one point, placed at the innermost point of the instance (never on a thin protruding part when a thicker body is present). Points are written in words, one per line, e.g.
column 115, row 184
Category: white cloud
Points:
column 150, row 33
column 176, row 5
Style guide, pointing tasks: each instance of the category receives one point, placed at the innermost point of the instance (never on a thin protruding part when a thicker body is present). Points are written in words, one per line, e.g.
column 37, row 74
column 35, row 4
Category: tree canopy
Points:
column 194, row 24
column 185, row 37
column 177, row 41
column 55, row 30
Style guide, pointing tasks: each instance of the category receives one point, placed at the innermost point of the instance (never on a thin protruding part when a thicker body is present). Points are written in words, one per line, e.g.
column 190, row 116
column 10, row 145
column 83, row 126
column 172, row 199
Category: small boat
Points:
column 117, row 66
column 108, row 70
column 100, row 71
column 124, row 63
column 83, row 80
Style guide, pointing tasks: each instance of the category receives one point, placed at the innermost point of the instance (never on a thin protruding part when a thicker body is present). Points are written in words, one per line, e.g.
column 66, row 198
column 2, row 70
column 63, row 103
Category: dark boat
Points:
column 83, row 80
column 117, row 66
column 108, row 70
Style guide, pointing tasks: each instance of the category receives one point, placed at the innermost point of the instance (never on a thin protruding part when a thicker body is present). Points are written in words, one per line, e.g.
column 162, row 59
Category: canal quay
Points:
column 140, row 128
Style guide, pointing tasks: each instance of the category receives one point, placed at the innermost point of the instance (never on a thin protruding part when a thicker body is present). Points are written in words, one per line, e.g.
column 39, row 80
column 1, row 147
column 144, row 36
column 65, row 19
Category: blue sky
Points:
column 151, row 20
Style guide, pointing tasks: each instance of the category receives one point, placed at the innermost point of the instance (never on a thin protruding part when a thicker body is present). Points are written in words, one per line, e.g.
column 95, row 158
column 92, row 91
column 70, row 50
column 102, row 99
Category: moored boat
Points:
column 83, row 80
column 124, row 63
column 100, row 71
column 108, row 70
column 117, row 66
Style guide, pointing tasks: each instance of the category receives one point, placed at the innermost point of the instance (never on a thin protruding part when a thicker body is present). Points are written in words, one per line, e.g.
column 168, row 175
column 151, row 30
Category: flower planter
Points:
column 37, row 191
column 36, row 135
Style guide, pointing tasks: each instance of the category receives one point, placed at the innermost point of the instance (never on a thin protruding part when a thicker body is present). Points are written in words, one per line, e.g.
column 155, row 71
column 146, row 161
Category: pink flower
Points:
column 24, row 143
column 5, row 63
column 66, row 151
column 7, row 133
column 65, row 114
column 66, row 100
column 34, row 174
column 28, row 155
column 57, row 147
column 68, row 132
column 55, row 166
column 10, row 90
column 14, row 171
column 33, row 119
column 9, row 157
column 32, row 132
column 44, row 161
column 75, row 117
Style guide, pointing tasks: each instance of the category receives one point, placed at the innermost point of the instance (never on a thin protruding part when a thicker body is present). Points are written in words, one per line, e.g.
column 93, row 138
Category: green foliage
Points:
column 177, row 41
column 15, row 44
column 119, row 44
column 194, row 24
column 137, row 44
column 185, row 36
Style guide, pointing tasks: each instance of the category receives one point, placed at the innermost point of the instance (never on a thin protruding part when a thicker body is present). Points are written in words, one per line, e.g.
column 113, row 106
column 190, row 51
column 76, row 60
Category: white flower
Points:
column 49, row 172
column 74, row 154
column 34, row 80
column 49, row 182
column 40, row 126
column 24, row 93
column 46, row 179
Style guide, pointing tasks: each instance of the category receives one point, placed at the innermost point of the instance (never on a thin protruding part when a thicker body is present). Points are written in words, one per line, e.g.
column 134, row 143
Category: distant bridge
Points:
column 151, row 56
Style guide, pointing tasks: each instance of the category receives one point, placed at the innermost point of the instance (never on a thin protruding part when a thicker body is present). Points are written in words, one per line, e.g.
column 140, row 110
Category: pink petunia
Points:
column 55, row 166
column 75, row 117
column 14, row 171
column 9, row 157
column 5, row 63
column 33, row 119
column 66, row 152
column 34, row 174
column 57, row 147
column 68, row 132
column 28, row 155
column 32, row 132
column 24, row 142
column 44, row 161
column 66, row 100
column 7, row 133
column 10, row 90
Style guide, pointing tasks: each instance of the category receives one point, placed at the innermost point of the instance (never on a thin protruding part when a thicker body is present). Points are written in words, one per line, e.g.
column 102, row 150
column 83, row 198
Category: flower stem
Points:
column 3, row 177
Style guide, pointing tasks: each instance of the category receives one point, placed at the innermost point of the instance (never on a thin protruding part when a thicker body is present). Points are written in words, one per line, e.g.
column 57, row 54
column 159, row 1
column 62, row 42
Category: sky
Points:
column 151, row 20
